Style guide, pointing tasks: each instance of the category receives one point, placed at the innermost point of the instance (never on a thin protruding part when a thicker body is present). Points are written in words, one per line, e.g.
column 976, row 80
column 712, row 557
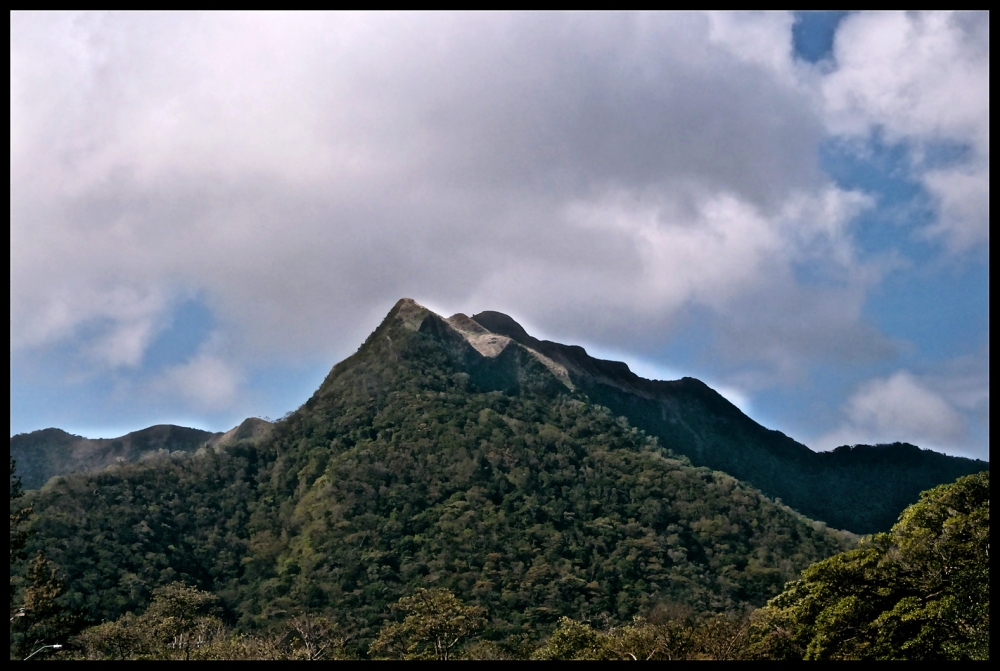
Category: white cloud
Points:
column 596, row 174
column 902, row 408
column 922, row 78
column 763, row 38
column 963, row 197
column 207, row 381
column 714, row 247
column 300, row 169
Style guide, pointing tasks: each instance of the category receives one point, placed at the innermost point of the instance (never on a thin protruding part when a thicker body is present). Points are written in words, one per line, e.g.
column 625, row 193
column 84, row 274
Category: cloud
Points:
column 922, row 78
column 903, row 408
column 599, row 175
column 299, row 169
column 206, row 380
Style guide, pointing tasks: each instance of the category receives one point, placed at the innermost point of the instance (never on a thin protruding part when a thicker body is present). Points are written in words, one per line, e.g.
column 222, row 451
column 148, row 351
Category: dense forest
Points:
column 860, row 488
column 430, row 501
column 43, row 454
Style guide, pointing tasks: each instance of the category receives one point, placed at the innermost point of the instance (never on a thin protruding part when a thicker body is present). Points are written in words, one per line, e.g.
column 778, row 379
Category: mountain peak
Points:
column 502, row 324
column 410, row 313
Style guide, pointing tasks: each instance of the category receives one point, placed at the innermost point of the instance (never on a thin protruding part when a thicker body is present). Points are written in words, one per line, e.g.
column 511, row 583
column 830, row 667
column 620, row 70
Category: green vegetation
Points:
column 862, row 488
column 182, row 623
column 426, row 502
column 435, row 622
column 43, row 454
column 918, row 592
column 18, row 517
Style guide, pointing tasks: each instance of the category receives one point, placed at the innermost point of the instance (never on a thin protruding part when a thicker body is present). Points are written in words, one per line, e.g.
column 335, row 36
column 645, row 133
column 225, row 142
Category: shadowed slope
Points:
column 43, row 454
column 862, row 489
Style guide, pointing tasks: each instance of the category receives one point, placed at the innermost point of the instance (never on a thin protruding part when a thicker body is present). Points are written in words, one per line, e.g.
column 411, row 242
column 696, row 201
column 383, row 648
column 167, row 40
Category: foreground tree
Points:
column 18, row 535
column 435, row 622
column 720, row 636
column 920, row 591
column 179, row 622
column 316, row 637
column 41, row 620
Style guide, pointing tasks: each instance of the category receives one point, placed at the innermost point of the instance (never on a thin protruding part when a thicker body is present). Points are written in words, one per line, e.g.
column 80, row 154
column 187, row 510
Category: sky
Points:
column 209, row 210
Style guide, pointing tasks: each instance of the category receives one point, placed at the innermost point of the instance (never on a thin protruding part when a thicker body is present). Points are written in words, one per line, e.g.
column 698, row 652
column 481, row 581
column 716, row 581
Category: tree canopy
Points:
column 920, row 591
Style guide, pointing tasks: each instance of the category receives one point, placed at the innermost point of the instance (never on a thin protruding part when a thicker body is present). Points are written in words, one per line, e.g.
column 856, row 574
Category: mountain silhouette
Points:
column 43, row 454
column 861, row 488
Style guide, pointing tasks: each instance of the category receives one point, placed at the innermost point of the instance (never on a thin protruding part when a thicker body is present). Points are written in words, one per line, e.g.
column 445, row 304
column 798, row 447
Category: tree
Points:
column 18, row 535
column 43, row 620
column 182, row 617
column 316, row 637
column 918, row 592
column 124, row 638
column 435, row 622
column 573, row 640
column 179, row 622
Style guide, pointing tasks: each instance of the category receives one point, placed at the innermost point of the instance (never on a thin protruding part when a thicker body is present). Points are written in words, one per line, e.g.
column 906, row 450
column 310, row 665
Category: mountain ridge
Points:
column 694, row 420
column 861, row 488
column 43, row 454
column 422, row 462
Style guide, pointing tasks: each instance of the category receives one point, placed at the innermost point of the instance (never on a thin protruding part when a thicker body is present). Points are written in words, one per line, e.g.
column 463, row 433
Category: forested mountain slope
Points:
column 43, row 454
column 438, row 455
column 862, row 488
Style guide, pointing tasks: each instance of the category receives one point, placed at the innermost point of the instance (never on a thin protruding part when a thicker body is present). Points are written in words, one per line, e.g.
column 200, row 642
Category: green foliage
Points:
column 862, row 488
column 316, row 637
column 40, row 619
column 641, row 640
column 18, row 535
column 720, row 636
column 181, row 617
column 125, row 638
column 918, row 592
column 420, row 464
column 181, row 623
column 434, row 623
column 573, row 640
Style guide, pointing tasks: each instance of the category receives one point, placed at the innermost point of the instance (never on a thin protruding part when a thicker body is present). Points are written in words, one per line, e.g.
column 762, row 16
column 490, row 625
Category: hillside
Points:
column 422, row 461
column 43, row 454
column 862, row 488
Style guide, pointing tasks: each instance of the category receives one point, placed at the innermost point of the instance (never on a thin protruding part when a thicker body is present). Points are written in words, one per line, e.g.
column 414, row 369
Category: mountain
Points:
column 43, row 454
column 862, row 488
column 441, row 454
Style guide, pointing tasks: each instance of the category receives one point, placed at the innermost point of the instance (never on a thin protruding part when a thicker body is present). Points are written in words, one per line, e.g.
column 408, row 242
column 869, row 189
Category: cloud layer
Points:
column 602, row 177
